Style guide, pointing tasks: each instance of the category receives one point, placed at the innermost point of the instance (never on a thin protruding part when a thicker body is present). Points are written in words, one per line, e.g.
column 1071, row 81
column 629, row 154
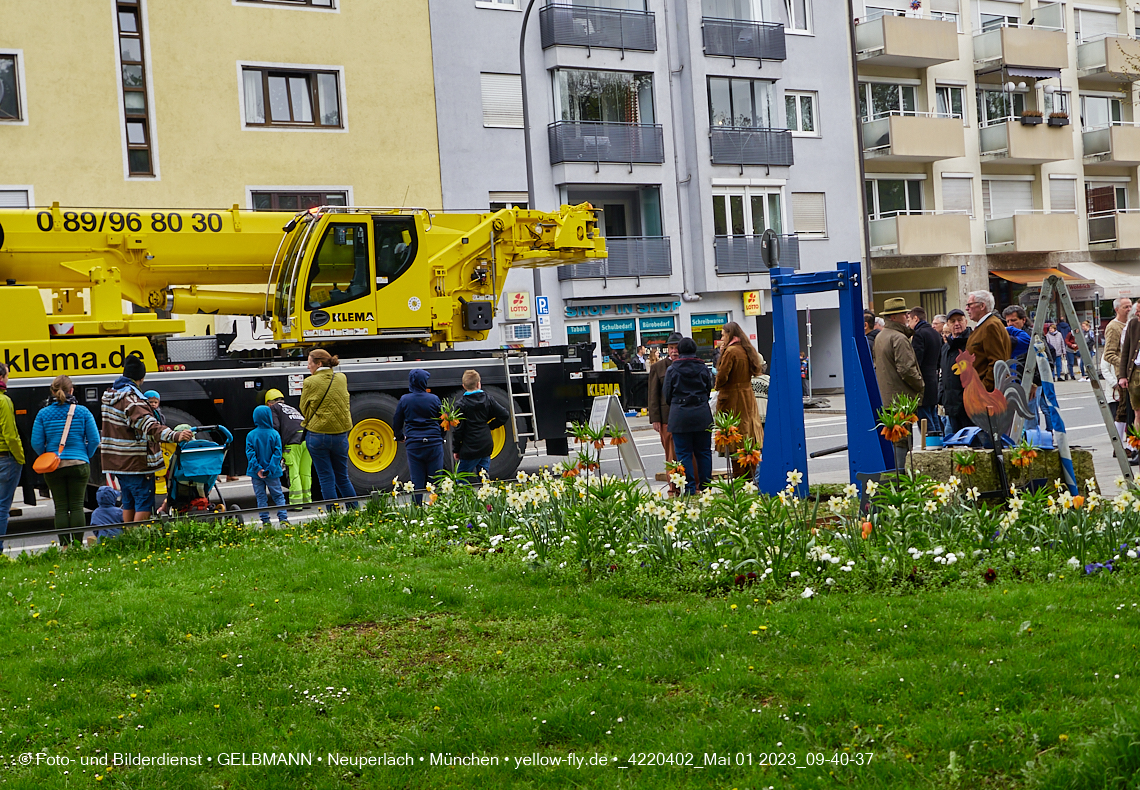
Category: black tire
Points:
column 363, row 473
column 178, row 417
column 506, row 464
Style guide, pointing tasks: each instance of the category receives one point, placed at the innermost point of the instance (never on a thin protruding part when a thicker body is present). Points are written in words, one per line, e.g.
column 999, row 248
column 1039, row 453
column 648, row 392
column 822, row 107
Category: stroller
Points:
column 194, row 470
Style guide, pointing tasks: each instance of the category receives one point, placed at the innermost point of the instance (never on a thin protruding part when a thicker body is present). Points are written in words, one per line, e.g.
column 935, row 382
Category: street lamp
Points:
column 526, row 115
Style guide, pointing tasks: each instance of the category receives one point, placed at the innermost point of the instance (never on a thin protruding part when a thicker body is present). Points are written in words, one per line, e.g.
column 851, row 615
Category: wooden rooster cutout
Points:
column 991, row 411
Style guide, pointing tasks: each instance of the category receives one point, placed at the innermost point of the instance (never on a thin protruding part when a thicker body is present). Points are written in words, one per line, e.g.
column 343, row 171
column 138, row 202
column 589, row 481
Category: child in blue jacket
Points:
column 263, row 464
column 107, row 513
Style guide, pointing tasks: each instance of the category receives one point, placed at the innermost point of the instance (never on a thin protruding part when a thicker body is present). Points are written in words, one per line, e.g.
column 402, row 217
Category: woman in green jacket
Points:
column 328, row 418
column 11, row 453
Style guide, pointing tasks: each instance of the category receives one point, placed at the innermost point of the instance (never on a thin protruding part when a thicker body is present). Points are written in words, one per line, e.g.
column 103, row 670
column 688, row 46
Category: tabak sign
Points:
column 518, row 306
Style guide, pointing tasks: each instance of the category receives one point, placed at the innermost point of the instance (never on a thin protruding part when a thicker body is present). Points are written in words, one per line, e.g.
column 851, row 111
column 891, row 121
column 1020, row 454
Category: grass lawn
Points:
column 291, row 644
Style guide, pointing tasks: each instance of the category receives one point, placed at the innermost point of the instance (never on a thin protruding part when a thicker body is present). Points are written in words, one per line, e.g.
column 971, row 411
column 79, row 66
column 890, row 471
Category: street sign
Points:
column 542, row 305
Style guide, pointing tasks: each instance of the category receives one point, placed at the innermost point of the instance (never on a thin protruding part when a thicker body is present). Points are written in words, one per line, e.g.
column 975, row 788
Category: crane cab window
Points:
column 395, row 247
column 339, row 271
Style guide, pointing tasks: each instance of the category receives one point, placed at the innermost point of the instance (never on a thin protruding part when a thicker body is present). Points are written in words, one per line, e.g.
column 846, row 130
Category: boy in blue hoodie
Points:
column 107, row 513
column 416, row 424
column 263, row 464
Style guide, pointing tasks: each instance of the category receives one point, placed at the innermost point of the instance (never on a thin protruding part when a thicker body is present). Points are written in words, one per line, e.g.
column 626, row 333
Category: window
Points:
column 740, row 103
column 502, row 100
column 14, row 198
column 607, row 96
column 501, row 200
column 1058, row 101
column 958, row 194
column 747, row 211
column 996, row 21
column 997, row 106
column 135, row 103
column 745, row 10
column 503, row 5
column 950, row 101
column 9, row 90
column 340, row 272
column 1094, row 25
column 288, row 97
column 800, row 109
column 877, row 99
column 1004, row 198
column 799, row 15
column 296, row 201
column 889, row 197
column 1062, row 195
column 301, row 3
column 396, row 244
column 1097, row 112
column 809, row 214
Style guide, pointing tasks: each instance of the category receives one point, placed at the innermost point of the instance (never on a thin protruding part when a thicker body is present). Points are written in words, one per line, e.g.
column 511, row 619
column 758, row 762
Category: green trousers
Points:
column 68, row 484
column 300, row 468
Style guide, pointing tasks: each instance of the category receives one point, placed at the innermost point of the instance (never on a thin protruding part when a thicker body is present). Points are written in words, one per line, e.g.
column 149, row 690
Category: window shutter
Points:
column 13, row 198
column 946, row 6
column 502, row 100
column 1062, row 195
column 1093, row 24
column 809, row 213
column 958, row 194
column 1005, row 198
column 508, row 198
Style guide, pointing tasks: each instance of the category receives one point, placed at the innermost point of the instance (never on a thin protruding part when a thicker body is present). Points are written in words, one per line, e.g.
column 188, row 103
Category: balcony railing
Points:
column 1033, row 231
column 608, row 28
column 629, row 256
column 606, row 141
column 1119, row 228
column 1102, row 227
column 745, row 145
column 737, row 38
column 921, row 233
column 741, row 254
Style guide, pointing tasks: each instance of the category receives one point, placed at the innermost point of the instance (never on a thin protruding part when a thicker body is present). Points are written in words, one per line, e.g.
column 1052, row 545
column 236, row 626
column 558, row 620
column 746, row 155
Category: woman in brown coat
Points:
column 739, row 362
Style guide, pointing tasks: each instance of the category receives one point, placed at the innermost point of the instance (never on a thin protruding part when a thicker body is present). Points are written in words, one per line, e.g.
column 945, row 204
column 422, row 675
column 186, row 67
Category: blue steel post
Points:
column 785, row 439
column 867, row 450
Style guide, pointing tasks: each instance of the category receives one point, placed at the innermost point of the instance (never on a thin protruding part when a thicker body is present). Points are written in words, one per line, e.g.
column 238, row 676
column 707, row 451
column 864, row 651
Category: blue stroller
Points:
column 194, row 470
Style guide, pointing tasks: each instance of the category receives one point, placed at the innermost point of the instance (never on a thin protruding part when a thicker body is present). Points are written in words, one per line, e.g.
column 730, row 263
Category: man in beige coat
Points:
column 1110, row 360
column 896, row 366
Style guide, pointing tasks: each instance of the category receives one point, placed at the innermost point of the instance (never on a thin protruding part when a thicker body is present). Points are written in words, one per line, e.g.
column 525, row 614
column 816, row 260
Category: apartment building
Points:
column 1000, row 146
column 161, row 103
column 694, row 126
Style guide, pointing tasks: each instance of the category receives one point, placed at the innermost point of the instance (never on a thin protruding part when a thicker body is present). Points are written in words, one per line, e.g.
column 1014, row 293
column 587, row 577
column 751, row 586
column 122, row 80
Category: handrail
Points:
column 911, row 114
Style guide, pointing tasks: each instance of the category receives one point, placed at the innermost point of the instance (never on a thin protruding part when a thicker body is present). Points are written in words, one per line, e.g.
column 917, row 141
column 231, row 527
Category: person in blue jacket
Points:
column 263, row 464
column 107, row 514
column 68, row 483
column 416, row 424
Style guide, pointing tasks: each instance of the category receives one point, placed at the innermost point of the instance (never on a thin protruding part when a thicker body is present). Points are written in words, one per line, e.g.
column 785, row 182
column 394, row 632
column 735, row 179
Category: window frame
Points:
column 772, row 99
column 961, row 89
column 866, row 93
column 300, row 5
column 128, row 117
column 873, row 209
column 17, row 56
column 808, row 29
column 1066, row 102
column 27, row 189
column 813, row 99
column 309, row 70
column 293, row 189
column 747, row 193
column 983, row 117
column 499, row 5
column 1113, row 103
column 810, row 235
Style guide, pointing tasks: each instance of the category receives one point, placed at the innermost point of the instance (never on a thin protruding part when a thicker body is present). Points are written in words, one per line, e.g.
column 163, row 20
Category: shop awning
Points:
column 1112, row 283
column 1029, row 276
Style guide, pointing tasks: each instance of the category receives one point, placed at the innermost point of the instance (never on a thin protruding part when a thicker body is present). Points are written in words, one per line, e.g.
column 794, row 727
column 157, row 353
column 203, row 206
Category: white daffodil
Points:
column 795, row 477
column 807, row 593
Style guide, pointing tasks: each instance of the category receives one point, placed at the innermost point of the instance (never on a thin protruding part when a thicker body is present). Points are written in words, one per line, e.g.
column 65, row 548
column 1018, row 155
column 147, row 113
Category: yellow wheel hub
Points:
column 499, row 440
column 371, row 445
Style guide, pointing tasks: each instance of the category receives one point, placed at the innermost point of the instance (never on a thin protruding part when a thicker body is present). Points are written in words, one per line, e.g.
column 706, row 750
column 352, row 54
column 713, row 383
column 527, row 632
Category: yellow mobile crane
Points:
column 386, row 289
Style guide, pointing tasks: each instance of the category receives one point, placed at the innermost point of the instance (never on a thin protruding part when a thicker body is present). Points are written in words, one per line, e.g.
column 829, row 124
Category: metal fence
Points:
column 629, row 256
column 609, row 28
column 744, row 145
column 741, row 254
column 606, row 141
column 737, row 38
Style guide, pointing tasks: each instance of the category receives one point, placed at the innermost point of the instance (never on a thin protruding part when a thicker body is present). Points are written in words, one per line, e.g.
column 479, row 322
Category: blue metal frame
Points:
column 785, row 439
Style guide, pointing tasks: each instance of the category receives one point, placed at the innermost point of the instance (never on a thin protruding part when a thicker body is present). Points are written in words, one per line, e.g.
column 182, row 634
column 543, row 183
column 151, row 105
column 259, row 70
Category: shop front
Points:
column 618, row 328
column 706, row 331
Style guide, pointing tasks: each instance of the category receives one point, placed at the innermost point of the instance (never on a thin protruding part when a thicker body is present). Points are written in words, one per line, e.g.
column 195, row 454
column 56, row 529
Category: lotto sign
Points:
column 752, row 303
column 518, row 306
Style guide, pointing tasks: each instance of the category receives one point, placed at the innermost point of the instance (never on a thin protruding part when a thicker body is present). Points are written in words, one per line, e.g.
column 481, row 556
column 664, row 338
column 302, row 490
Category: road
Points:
column 1076, row 401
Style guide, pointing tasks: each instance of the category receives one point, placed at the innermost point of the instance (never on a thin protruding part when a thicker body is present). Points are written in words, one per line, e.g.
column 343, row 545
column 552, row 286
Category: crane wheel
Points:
column 373, row 453
column 506, row 454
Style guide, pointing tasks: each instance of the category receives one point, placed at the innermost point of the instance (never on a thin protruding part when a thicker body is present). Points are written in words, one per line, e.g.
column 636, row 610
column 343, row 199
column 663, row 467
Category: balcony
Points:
column 916, row 137
column 736, row 38
column 607, row 28
column 746, row 145
column 605, row 141
column 1033, row 231
column 1112, row 59
column 906, row 42
column 1115, row 230
column 741, row 254
column 923, row 233
column 1035, row 47
column 1012, row 142
column 1118, row 144
column 633, row 256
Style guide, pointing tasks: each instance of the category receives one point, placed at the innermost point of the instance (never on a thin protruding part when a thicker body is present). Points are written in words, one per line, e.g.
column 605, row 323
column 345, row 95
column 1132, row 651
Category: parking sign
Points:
column 542, row 305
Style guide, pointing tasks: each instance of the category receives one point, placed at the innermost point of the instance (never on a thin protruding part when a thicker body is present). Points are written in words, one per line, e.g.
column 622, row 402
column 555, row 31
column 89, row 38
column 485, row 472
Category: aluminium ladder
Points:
column 516, row 375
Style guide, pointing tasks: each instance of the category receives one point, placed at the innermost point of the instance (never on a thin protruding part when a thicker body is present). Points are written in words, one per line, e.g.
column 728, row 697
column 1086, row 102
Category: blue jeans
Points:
column 1072, row 363
column 329, row 452
column 137, row 492
column 262, row 488
column 688, row 444
column 930, row 414
column 425, row 460
column 473, row 465
column 1058, row 364
column 10, row 472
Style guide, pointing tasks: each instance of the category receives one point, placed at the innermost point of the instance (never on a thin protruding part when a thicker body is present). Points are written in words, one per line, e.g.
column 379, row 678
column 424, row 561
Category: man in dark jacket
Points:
column 950, row 389
column 927, row 345
column 472, row 442
column 688, row 384
column 416, row 424
column 870, row 330
column 658, row 408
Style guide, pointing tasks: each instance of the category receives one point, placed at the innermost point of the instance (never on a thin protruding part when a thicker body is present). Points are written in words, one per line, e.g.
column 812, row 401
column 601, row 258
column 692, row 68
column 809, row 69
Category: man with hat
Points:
column 896, row 366
column 130, row 444
column 658, row 408
column 298, row 464
column 950, row 388
column 989, row 341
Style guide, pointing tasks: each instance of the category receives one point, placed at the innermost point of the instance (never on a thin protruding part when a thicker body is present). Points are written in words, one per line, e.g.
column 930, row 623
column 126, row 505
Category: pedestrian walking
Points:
column 1056, row 346
column 417, row 425
column 67, row 429
column 739, row 363
column 328, row 419
column 687, row 388
column 1110, row 362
